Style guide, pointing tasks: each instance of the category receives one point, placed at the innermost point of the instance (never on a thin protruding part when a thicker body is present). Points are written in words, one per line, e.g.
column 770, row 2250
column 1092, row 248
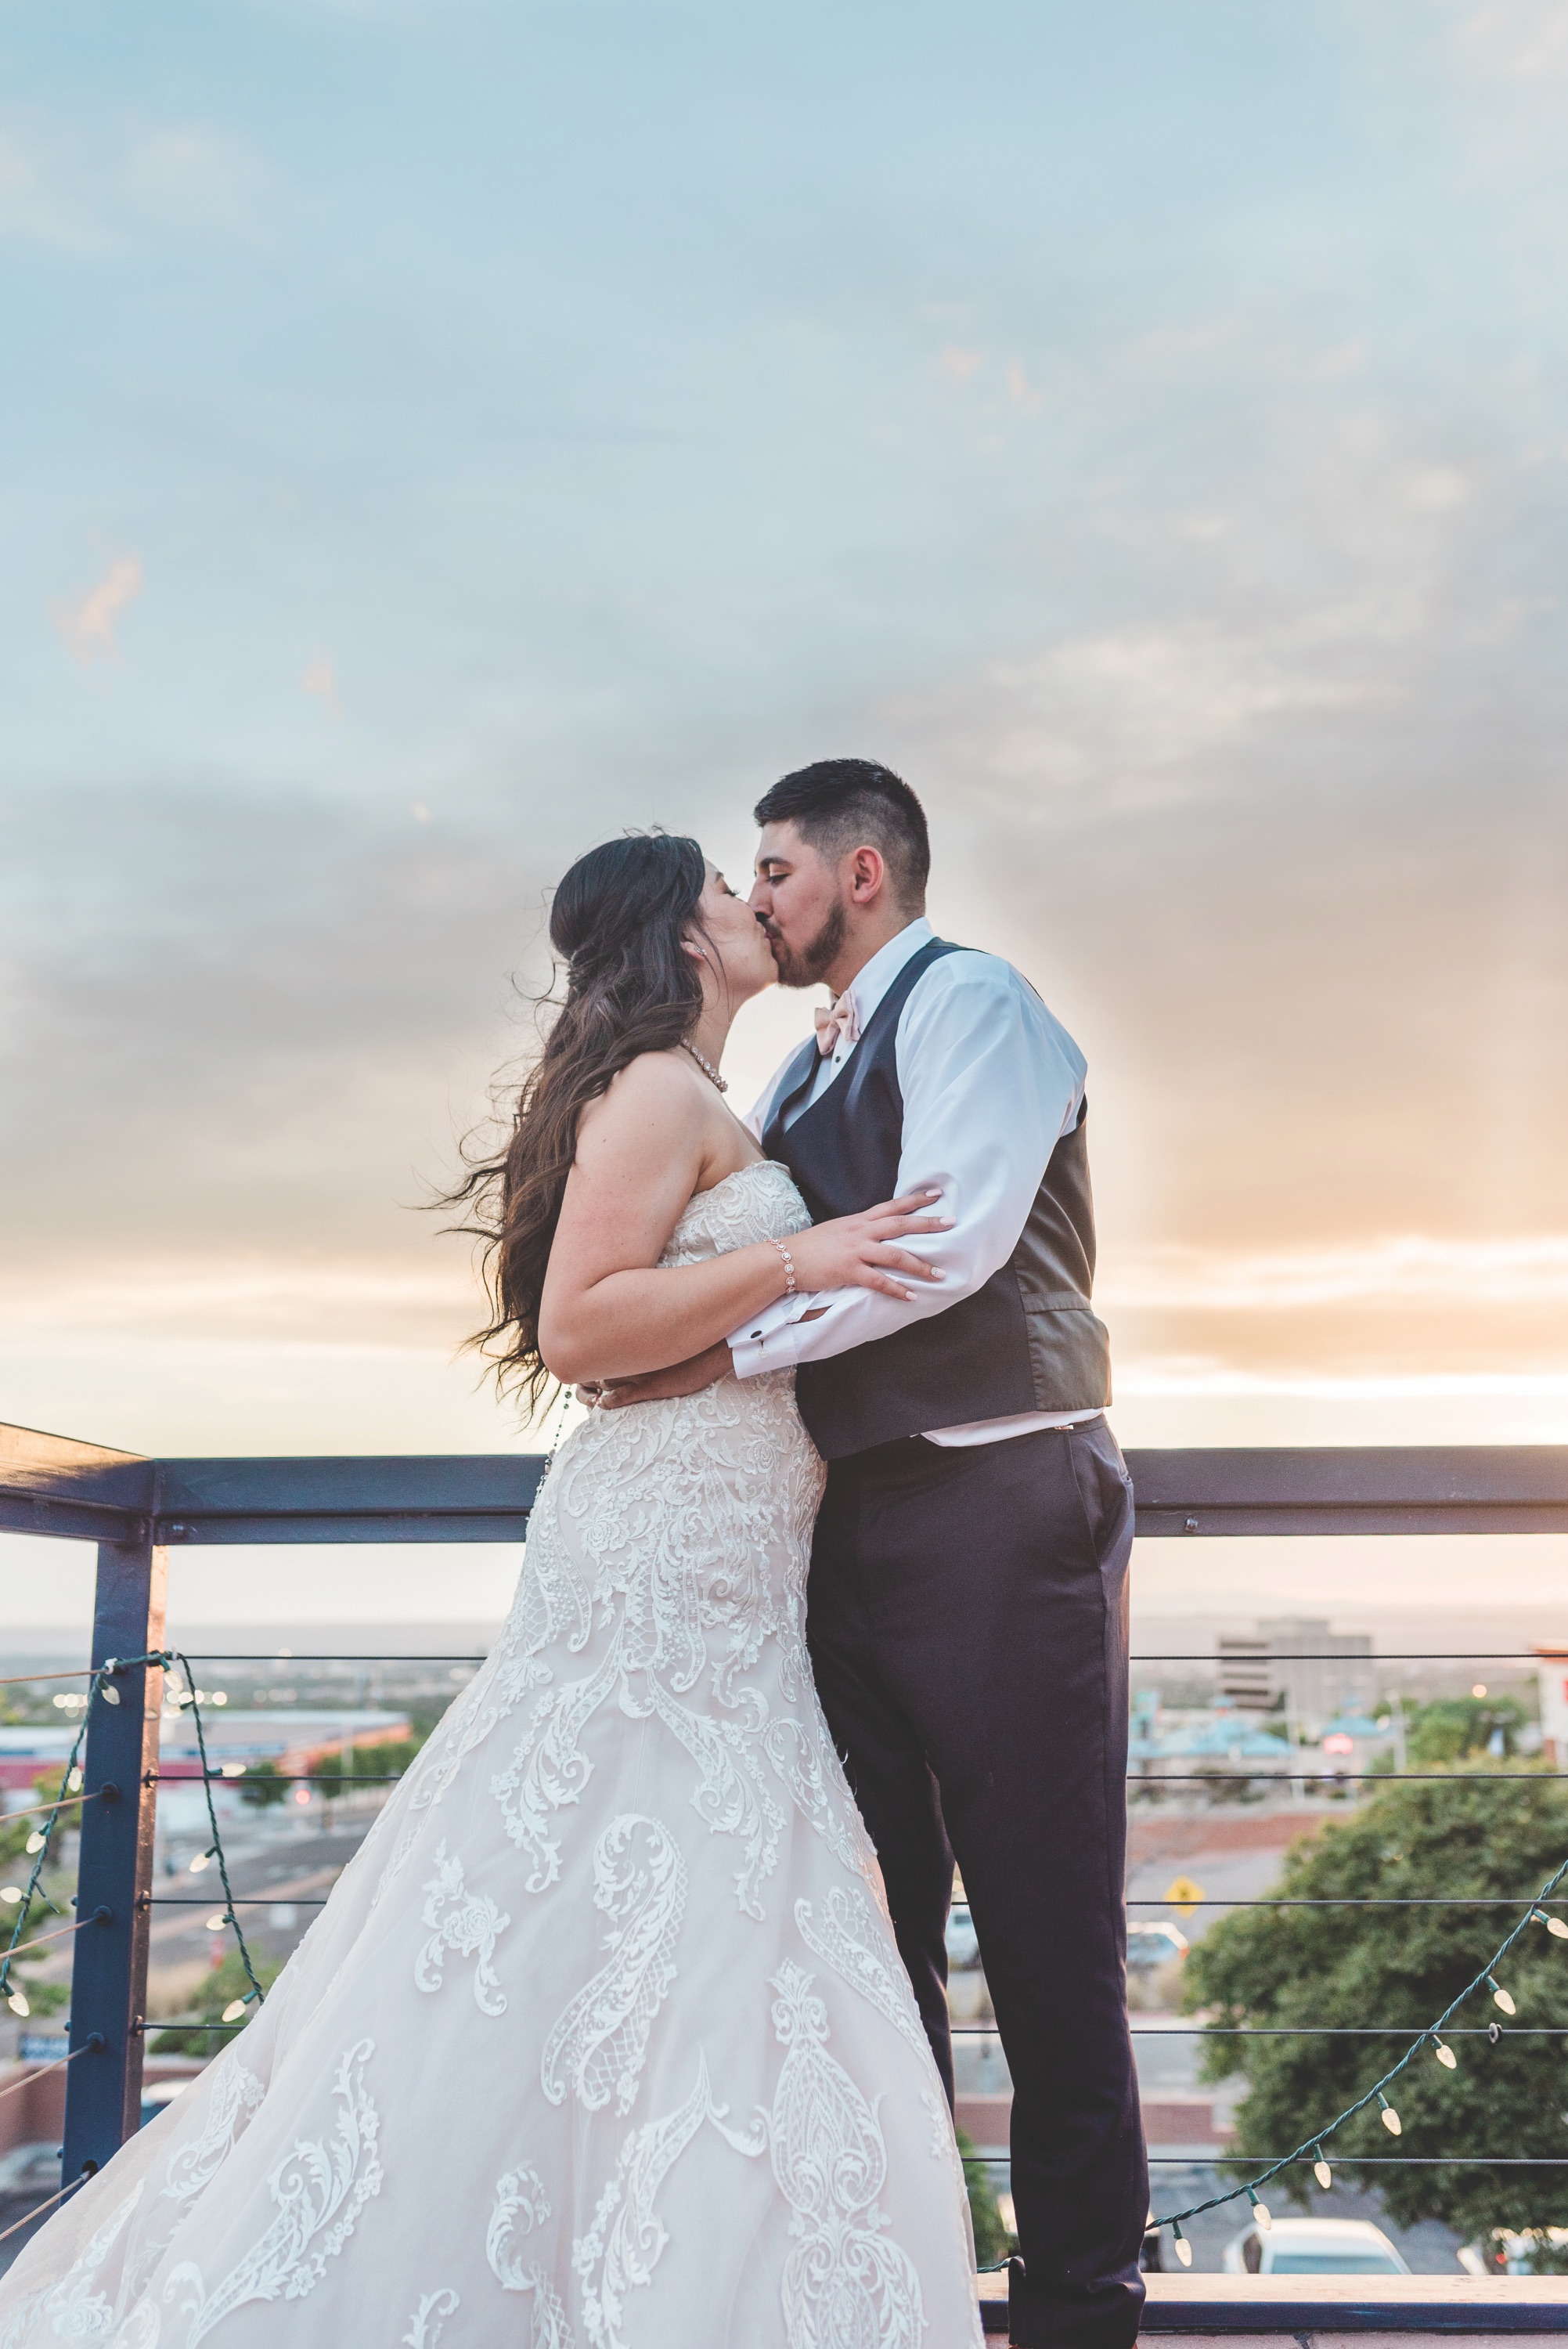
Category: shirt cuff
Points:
column 770, row 1341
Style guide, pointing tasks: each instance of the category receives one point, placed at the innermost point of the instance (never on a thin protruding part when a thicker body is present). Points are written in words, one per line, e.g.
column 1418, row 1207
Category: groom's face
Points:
column 799, row 899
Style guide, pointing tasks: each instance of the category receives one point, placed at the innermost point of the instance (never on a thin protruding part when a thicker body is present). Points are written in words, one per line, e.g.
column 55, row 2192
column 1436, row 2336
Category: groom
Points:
column 967, row 1604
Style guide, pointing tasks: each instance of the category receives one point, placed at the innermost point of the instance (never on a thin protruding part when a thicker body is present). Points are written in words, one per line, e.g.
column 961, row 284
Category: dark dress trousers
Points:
column 967, row 1623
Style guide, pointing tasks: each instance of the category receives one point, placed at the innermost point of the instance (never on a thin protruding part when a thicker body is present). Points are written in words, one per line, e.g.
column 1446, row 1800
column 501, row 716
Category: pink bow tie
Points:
column 842, row 1023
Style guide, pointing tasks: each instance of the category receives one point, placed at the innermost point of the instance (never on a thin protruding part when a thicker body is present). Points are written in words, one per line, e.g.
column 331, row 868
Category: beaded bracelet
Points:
column 788, row 1266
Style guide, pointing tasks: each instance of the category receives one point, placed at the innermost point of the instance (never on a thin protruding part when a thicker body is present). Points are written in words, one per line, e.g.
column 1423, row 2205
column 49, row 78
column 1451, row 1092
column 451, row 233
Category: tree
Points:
column 991, row 2240
column 264, row 1784
column 222, row 1986
column 1456, row 1727
column 1477, row 1834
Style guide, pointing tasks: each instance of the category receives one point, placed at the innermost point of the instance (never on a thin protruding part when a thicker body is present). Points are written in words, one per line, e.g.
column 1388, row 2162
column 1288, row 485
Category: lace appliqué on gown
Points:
column 651, row 2126
column 598, row 2046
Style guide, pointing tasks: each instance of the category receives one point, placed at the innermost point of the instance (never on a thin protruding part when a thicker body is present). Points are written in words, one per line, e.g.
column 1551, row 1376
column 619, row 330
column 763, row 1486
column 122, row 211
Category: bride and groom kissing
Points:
column 633, row 2001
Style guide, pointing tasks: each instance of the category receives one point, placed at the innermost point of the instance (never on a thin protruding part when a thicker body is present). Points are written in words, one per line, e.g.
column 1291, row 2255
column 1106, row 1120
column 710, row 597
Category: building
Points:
column 292, row 1741
column 1318, row 1673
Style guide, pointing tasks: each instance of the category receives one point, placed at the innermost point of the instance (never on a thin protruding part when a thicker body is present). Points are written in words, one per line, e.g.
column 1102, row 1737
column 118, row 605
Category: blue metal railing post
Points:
column 108, row 1977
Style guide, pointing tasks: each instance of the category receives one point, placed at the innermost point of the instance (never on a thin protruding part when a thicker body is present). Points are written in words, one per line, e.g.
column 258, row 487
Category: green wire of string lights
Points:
column 1312, row 2144
column 256, row 1995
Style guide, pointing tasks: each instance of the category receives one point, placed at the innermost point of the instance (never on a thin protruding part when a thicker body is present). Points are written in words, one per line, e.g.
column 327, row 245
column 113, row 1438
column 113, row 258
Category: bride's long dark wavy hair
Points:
column 619, row 916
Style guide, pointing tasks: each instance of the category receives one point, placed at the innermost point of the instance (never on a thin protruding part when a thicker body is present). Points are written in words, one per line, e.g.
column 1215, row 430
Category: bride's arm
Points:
column 608, row 1310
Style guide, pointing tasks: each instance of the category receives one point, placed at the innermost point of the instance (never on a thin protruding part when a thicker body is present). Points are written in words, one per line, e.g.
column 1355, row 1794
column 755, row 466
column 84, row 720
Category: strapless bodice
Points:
column 758, row 1202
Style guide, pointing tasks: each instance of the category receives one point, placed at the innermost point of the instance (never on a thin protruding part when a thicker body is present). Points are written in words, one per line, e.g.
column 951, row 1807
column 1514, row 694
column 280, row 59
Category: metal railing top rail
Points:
column 52, row 1485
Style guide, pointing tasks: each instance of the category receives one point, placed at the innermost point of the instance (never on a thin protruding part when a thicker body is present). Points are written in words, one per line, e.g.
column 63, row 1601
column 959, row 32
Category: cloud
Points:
column 1410, row 1269
column 1020, row 388
column 320, row 680
column 1140, row 714
column 1524, row 40
column 271, row 1300
column 87, row 624
column 959, row 364
column 92, row 187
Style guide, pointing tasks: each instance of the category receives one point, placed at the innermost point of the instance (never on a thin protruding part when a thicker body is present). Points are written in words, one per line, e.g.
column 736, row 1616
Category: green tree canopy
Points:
column 1477, row 1834
column 1456, row 1727
column 222, row 1986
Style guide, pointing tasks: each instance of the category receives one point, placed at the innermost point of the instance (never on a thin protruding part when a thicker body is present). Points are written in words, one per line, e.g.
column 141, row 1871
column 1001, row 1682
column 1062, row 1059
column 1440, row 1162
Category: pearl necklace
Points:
column 705, row 1066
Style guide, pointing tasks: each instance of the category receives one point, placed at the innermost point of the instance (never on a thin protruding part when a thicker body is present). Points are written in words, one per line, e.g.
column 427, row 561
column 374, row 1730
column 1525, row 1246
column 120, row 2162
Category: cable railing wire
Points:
column 1266, row 2167
column 38, row 2209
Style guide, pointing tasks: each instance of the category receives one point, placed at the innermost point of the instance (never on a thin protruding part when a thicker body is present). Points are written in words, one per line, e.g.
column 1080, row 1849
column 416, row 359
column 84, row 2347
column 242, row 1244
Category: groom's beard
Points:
column 805, row 966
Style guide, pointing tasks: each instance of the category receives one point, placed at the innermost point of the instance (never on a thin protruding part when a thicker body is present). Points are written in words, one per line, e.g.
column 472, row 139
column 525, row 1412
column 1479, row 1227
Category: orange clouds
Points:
column 85, row 624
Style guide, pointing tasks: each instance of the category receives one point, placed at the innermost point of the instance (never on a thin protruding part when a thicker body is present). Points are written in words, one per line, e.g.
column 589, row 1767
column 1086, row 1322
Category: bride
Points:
column 602, row 2038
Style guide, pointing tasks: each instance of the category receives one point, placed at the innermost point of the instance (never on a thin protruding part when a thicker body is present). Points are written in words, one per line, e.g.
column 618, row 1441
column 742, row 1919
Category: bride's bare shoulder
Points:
column 658, row 1093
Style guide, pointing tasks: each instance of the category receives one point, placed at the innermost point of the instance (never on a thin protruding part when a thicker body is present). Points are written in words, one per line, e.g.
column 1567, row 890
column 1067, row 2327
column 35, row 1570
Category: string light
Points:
column 18, row 2003
column 1261, row 2212
column 215, row 1850
column 1183, row 2248
column 1555, row 1925
column 35, row 1841
column 1321, row 2171
column 1390, row 2118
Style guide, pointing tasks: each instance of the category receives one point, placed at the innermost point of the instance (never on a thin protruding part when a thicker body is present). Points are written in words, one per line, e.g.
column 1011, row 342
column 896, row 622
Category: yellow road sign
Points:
column 1183, row 1894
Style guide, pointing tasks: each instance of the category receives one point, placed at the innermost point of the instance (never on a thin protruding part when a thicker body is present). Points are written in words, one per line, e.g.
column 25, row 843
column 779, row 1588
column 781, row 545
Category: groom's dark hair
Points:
column 839, row 802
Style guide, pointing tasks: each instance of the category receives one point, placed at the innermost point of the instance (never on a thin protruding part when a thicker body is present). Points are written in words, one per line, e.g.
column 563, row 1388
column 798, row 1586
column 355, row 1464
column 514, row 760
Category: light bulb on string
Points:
column 1445, row 2056
column 1320, row 2169
column 1261, row 2212
column 234, row 2011
column 1499, row 1997
column 1556, row 1926
column 1390, row 2118
column 36, row 1840
column 1183, row 2248
column 18, row 2003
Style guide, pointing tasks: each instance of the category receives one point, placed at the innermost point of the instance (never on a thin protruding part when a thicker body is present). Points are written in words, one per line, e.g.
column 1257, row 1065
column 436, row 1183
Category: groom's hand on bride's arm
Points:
column 657, row 1386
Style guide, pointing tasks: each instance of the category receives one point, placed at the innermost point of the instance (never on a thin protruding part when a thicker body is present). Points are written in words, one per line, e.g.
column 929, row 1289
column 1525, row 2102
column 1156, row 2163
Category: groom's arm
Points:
column 990, row 1083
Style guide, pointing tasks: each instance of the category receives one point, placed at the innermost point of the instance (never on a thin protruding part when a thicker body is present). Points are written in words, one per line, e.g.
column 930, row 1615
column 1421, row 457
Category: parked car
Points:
column 161, row 2093
column 29, row 2175
column 962, row 1940
column 1151, row 1945
column 1306, row 2246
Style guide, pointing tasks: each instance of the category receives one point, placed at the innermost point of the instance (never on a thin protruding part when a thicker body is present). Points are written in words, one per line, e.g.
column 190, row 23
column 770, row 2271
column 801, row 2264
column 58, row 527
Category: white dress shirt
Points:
column 990, row 1083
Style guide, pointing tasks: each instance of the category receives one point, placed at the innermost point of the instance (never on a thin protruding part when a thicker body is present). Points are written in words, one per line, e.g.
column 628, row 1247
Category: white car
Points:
column 1150, row 1945
column 1307, row 2247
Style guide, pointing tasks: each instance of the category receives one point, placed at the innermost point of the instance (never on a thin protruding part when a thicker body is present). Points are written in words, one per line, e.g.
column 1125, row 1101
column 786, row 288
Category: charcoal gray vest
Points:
column 1028, row 1340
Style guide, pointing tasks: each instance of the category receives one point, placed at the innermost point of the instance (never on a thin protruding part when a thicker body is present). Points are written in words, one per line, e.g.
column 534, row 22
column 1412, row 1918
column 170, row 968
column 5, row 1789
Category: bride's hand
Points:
column 862, row 1251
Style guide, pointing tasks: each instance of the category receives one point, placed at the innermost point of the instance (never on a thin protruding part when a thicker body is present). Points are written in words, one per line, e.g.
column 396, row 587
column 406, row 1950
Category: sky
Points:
column 442, row 434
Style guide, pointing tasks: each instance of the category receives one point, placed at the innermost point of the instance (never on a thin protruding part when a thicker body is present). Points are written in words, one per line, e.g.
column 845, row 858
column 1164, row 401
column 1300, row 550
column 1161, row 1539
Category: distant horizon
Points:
column 1471, row 1632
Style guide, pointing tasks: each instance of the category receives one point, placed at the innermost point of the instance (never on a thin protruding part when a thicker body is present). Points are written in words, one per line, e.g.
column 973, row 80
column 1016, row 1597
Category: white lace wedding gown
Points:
column 602, row 2037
